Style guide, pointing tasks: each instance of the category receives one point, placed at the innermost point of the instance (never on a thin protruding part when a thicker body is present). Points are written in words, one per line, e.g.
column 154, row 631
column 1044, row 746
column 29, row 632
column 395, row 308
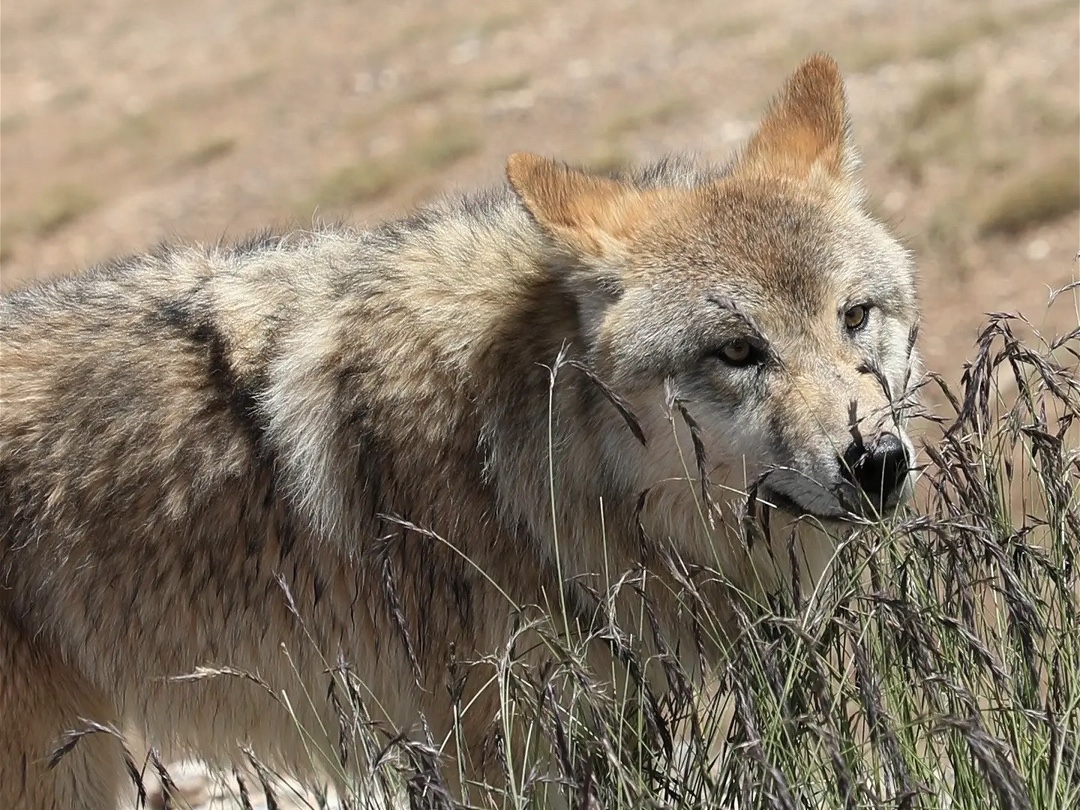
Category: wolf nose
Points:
column 879, row 470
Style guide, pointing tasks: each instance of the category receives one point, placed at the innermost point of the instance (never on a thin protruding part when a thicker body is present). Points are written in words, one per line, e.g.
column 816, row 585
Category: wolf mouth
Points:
column 777, row 499
column 846, row 509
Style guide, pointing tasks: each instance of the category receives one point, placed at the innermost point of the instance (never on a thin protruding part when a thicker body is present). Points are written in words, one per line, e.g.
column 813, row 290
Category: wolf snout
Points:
column 879, row 470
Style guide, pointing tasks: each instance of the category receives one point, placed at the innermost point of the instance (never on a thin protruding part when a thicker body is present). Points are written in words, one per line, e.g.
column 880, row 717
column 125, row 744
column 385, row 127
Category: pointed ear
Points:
column 595, row 216
column 806, row 126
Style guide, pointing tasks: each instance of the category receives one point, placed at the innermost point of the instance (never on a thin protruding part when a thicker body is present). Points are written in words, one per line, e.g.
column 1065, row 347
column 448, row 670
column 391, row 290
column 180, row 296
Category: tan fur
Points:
column 369, row 419
column 807, row 125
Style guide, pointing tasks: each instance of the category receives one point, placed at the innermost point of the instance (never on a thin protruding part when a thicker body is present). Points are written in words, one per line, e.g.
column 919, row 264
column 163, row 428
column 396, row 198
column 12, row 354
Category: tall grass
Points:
column 936, row 666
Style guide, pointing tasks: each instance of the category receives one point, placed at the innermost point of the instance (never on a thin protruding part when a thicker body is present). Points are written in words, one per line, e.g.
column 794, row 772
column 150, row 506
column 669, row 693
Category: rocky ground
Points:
column 124, row 123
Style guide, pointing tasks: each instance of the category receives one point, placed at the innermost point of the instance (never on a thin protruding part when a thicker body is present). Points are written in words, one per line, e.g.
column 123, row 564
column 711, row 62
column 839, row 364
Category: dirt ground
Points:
column 124, row 123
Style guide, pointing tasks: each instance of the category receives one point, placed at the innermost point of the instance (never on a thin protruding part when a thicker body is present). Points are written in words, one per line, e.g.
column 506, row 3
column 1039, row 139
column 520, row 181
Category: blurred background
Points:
column 126, row 122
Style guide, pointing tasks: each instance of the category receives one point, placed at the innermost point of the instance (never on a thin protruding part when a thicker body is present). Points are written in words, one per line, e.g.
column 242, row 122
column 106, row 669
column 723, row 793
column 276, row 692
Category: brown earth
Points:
column 124, row 123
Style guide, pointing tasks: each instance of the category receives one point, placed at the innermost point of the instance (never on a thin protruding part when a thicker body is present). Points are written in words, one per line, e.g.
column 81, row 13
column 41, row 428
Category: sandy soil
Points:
column 124, row 123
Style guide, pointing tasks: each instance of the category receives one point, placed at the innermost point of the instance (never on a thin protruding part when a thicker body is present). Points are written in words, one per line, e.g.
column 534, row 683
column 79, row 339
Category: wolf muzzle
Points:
column 878, row 471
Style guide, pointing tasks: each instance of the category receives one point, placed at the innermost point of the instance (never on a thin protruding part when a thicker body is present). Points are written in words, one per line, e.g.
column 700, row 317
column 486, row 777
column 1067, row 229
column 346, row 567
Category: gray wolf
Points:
column 369, row 419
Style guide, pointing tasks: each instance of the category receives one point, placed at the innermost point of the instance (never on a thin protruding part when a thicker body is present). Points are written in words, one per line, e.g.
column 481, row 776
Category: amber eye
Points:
column 855, row 318
column 737, row 352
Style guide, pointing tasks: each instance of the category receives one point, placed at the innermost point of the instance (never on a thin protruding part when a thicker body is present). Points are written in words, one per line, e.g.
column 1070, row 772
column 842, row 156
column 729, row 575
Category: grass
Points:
column 444, row 147
column 720, row 28
column 950, row 93
column 149, row 132
column 209, row 151
column 500, row 21
column 1031, row 199
column 505, row 84
column 609, row 160
column 430, row 93
column 57, row 208
column 663, row 112
column 938, row 125
column 63, row 205
column 11, row 123
column 945, row 39
column 369, row 179
column 938, row 666
column 359, row 182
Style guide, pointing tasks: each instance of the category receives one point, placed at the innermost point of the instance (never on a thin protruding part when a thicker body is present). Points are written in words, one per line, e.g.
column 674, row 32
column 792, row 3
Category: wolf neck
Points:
column 495, row 303
column 565, row 466
column 421, row 388
column 545, row 427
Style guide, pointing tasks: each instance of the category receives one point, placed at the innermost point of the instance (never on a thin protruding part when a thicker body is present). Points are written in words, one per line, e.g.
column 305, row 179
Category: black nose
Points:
column 878, row 470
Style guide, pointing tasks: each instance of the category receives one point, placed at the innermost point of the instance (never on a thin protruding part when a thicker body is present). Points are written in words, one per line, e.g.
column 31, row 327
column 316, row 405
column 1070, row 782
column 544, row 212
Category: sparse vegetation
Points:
column 939, row 666
column 633, row 120
column 500, row 21
column 57, row 207
column 359, row 182
column 723, row 27
column 10, row 123
column 951, row 93
column 945, row 39
column 505, row 84
column 937, row 127
column 367, row 179
column 610, row 160
column 430, row 93
column 1031, row 199
column 209, row 151
column 444, row 146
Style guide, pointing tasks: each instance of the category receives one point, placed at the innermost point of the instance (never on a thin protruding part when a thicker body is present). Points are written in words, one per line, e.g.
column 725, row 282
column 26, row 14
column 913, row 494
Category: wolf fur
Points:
column 411, row 429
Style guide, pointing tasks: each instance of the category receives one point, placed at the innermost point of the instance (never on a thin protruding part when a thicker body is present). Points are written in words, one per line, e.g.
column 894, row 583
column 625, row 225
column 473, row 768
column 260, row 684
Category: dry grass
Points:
column 209, row 151
column 430, row 93
column 1034, row 198
column 610, row 160
column 359, row 182
column 171, row 131
column 950, row 94
column 11, row 123
column 946, row 38
column 368, row 179
column 661, row 113
column 499, row 21
column 725, row 27
column 444, row 146
column 938, row 666
column 505, row 84
column 56, row 209
column 944, row 42
column 938, row 126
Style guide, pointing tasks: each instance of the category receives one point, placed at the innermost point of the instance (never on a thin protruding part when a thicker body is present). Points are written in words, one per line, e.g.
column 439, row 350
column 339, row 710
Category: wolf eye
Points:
column 738, row 352
column 856, row 317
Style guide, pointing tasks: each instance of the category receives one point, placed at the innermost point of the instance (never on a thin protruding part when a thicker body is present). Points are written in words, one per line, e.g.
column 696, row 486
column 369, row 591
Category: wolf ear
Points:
column 595, row 216
column 806, row 127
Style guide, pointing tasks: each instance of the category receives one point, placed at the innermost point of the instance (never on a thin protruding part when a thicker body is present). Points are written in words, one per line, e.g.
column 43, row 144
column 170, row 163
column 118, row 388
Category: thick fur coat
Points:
column 412, row 430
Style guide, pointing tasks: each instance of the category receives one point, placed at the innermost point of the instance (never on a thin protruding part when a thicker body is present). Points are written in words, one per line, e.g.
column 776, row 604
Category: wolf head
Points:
column 763, row 296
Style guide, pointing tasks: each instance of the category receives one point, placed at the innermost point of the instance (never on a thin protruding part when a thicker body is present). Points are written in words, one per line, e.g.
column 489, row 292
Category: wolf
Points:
column 368, row 445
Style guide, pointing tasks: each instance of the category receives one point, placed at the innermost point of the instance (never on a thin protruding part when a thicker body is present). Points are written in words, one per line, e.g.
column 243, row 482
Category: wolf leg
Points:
column 41, row 697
